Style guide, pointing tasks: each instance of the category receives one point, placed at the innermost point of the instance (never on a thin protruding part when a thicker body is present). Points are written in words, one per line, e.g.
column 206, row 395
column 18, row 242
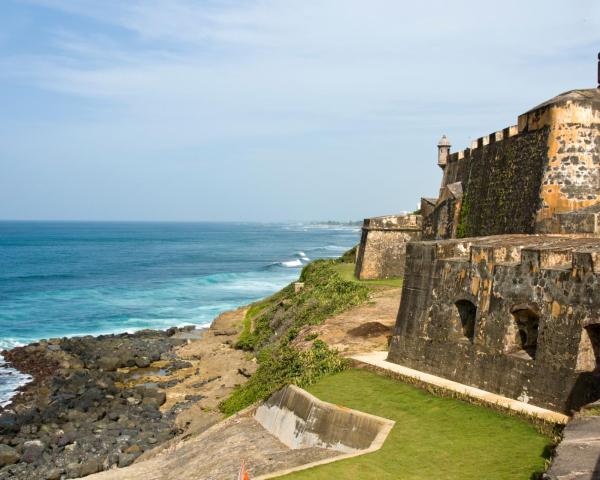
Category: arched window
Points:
column 588, row 356
column 525, row 332
column 467, row 313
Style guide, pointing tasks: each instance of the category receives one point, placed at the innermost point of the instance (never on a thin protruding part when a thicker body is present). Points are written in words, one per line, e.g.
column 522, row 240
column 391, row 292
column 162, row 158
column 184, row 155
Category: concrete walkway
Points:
column 378, row 361
column 578, row 454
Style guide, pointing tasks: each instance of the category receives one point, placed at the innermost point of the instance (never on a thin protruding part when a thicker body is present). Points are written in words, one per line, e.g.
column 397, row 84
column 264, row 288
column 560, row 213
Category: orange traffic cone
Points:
column 243, row 475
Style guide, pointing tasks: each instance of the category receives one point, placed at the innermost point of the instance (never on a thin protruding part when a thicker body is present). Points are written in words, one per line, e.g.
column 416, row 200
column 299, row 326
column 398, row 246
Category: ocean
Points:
column 78, row 278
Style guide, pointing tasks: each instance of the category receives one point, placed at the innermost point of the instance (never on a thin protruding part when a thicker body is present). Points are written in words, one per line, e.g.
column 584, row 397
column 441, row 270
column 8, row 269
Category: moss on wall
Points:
column 502, row 186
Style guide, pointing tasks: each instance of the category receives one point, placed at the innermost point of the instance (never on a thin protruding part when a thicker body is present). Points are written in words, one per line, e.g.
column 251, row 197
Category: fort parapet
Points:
column 523, row 178
column 518, row 315
column 382, row 248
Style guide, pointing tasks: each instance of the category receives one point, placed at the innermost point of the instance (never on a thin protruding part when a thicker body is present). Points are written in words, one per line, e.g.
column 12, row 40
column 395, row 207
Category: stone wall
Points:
column 516, row 315
column 519, row 179
column 382, row 248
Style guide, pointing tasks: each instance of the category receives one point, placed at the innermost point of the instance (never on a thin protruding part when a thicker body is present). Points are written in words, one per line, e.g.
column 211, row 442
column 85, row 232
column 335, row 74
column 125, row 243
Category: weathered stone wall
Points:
column 519, row 179
column 516, row 315
column 382, row 248
column 571, row 178
column 502, row 185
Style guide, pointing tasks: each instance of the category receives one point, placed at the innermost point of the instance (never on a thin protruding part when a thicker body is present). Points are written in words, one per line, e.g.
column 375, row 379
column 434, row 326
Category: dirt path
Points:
column 361, row 329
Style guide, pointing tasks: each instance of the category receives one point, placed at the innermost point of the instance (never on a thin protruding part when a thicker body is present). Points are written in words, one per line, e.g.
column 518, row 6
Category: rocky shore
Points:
column 97, row 403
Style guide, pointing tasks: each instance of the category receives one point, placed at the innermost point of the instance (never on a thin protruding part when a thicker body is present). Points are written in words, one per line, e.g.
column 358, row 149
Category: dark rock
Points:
column 8, row 424
column 109, row 363
column 142, row 362
column 66, row 438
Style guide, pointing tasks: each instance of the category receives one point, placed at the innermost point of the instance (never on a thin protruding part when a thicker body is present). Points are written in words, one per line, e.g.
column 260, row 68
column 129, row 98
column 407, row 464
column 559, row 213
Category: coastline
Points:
column 95, row 402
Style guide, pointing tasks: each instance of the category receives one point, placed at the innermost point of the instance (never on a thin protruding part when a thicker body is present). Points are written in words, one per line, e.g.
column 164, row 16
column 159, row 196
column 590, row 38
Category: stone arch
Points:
column 522, row 338
column 467, row 313
column 588, row 353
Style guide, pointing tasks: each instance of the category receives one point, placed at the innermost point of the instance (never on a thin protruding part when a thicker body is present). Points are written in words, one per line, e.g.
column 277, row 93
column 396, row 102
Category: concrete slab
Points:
column 378, row 361
column 578, row 455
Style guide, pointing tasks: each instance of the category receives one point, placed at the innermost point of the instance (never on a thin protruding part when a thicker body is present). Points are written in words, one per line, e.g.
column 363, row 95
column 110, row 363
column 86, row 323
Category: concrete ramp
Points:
column 300, row 420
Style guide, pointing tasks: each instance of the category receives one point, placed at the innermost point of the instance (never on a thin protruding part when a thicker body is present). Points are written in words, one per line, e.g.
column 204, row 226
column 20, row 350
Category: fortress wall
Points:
column 519, row 179
column 383, row 245
column 501, row 179
column 549, row 277
column 571, row 178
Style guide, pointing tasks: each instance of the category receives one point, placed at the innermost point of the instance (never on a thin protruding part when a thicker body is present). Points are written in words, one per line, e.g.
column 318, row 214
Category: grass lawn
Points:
column 434, row 438
column 346, row 271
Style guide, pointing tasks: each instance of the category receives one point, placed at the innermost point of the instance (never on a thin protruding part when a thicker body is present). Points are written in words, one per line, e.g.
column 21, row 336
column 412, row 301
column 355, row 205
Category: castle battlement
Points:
column 536, row 252
column 522, row 178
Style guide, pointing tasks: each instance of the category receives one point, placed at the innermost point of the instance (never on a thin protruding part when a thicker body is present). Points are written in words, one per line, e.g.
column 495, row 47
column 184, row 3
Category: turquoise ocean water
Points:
column 74, row 278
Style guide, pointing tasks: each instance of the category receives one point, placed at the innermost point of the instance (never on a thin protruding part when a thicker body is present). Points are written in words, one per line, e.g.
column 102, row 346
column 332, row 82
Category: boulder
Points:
column 126, row 459
column 73, row 470
column 89, row 467
column 142, row 362
column 8, row 455
column 32, row 451
column 108, row 363
column 54, row 474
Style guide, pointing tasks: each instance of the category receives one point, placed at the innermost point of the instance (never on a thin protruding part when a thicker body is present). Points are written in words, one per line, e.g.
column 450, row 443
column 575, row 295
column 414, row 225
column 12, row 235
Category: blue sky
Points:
column 264, row 110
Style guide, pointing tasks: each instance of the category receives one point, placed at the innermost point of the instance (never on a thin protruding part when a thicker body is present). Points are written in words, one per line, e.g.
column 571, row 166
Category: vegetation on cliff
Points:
column 271, row 325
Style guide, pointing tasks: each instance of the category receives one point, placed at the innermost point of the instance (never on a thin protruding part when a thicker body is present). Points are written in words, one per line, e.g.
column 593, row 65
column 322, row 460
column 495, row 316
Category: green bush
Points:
column 281, row 366
column 349, row 256
column 325, row 293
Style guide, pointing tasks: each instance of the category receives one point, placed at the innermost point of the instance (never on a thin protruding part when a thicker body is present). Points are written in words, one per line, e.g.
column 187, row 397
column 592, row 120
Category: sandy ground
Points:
column 217, row 454
column 361, row 329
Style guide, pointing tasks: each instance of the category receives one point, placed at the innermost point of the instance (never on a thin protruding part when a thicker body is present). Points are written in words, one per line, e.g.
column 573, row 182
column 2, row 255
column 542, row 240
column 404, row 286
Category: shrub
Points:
column 281, row 366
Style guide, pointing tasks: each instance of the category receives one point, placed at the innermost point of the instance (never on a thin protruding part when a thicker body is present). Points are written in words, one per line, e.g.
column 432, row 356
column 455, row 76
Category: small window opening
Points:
column 588, row 356
column 467, row 312
column 527, row 323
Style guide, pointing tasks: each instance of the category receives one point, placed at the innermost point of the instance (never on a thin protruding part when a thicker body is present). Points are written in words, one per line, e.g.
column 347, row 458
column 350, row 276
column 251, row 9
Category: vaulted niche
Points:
column 467, row 312
column 524, row 333
column 588, row 356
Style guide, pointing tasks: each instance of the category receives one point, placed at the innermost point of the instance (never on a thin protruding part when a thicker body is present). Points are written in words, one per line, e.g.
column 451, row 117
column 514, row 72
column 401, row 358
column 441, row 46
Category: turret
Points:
column 443, row 151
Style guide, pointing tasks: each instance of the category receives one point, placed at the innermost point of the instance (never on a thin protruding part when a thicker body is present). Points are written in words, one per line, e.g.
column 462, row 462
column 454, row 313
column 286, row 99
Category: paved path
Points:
column 578, row 455
column 378, row 360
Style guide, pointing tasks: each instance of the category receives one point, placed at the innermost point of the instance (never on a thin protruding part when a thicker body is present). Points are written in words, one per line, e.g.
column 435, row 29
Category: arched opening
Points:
column 467, row 312
column 526, row 323
column 588, row 356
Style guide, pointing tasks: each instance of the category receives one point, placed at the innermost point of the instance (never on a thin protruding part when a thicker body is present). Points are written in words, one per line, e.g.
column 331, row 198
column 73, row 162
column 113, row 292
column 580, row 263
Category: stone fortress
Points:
column 502, row 271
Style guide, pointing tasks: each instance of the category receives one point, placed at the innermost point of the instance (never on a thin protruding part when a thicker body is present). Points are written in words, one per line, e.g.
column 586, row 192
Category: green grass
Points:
column 434, row 437
column 346, row 271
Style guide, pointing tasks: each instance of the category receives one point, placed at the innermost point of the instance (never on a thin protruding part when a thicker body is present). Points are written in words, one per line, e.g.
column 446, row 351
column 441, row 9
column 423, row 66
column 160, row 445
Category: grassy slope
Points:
column 346, row 271
column 271, row 324
column 433, row 437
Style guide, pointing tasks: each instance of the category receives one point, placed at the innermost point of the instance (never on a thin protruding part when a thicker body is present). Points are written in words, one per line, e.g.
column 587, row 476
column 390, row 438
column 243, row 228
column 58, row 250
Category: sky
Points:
column 270, row 110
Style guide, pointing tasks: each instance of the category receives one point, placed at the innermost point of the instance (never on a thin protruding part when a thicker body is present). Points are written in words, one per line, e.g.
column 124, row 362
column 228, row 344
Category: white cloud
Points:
column 181, row 74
